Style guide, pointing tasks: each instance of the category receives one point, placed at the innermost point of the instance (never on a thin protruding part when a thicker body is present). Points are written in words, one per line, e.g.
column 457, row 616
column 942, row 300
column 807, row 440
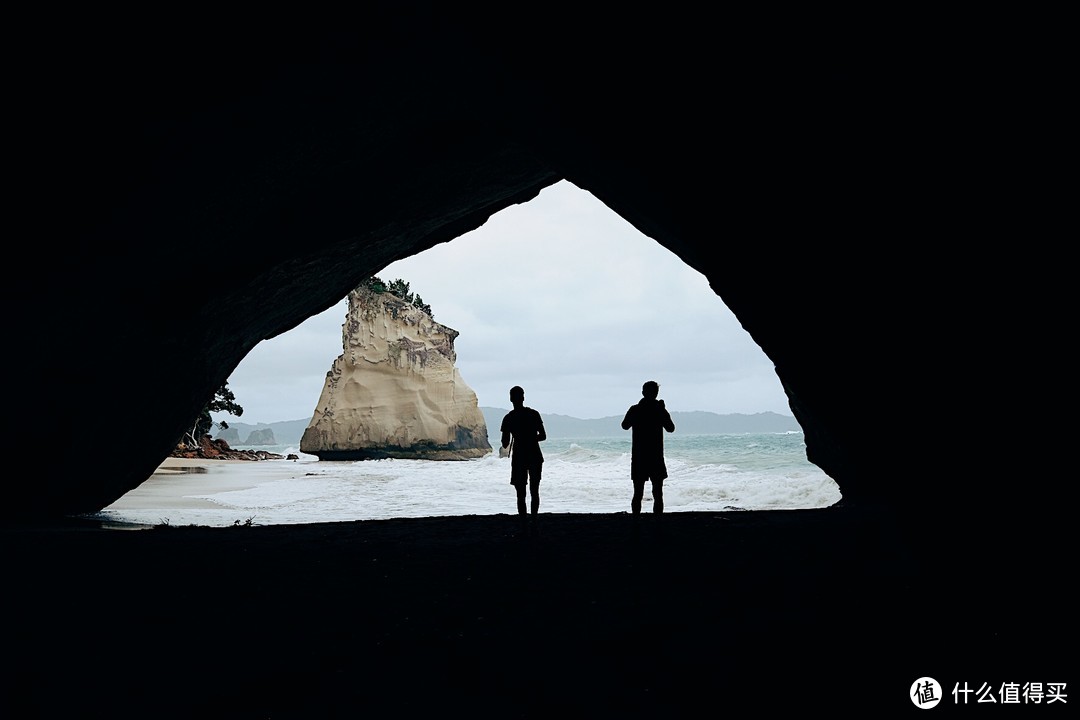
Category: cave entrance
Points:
column 561, row 295
column 564, row 297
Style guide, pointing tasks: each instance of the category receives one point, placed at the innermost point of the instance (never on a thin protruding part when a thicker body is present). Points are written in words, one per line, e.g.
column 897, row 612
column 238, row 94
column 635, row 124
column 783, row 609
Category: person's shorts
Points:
column 640, row 472
column 520, row 474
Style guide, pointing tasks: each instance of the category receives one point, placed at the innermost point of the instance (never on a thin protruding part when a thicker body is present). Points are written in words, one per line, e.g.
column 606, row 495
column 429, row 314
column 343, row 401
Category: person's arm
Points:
column 627, row 421
column 505, row 434
column 669, row 424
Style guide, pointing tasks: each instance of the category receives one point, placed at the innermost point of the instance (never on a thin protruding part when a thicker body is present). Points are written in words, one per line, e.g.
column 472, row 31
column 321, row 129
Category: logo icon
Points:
column 925, row 693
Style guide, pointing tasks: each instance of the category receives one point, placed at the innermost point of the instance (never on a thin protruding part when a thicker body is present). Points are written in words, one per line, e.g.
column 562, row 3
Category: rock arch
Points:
column 838, row 186
column 271, row 177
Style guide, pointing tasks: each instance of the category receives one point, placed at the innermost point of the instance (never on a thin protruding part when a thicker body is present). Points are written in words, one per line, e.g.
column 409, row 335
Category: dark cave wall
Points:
column 773, row 174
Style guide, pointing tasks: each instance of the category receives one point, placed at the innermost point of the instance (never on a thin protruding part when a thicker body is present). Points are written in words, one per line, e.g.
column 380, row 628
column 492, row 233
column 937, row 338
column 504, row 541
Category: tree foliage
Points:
column 398, row 288
column 374, row 284
column 223, row 401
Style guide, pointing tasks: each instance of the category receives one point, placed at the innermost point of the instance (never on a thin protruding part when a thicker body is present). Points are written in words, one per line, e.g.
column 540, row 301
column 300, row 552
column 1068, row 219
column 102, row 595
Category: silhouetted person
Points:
column 648, row 419
column 522, row 432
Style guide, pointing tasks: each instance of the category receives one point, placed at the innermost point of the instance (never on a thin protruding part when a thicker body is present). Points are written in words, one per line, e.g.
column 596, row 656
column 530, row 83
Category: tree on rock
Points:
column 398, row 288
column 223, row 401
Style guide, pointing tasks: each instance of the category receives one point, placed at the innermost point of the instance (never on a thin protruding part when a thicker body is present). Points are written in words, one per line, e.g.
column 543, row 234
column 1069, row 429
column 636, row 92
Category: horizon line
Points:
column 574, row 417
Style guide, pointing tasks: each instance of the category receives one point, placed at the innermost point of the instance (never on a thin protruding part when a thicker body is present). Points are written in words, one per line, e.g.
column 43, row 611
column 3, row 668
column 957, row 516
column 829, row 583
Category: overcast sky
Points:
column 561, row 296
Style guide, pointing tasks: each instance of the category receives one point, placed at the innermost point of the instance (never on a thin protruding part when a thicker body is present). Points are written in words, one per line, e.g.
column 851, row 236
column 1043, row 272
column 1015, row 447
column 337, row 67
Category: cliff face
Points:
column 394, row 391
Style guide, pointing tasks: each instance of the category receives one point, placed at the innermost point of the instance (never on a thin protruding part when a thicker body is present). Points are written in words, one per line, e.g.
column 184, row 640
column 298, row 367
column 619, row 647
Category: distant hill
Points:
column 697, row 422
column 689, row 423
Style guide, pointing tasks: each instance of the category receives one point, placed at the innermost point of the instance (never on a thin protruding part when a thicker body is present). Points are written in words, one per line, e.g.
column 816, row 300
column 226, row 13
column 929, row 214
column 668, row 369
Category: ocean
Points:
column 738, row 472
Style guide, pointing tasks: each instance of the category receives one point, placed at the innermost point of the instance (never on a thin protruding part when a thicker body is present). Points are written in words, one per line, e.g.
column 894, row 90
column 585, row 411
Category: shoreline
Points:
column 177, row 483
column 310, row 490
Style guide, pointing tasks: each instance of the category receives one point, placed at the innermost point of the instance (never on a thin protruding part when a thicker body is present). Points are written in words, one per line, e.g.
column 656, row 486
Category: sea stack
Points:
column 395, row 392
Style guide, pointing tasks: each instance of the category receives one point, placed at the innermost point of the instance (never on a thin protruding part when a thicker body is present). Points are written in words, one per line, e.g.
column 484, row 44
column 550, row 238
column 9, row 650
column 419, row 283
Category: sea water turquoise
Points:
column 736, row 472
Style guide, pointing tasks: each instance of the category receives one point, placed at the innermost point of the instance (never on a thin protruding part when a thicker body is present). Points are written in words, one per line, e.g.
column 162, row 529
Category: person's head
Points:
column 517, row 394
column 650, row 389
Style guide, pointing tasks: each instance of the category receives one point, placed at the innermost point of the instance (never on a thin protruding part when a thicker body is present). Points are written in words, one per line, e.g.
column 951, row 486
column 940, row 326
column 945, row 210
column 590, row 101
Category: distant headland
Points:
column 697, row 422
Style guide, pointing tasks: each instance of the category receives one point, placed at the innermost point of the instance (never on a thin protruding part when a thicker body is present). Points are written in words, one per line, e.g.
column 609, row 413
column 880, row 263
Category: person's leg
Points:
column 639, row 492
column 658, row 495
column 534, row 487
column 518, row 480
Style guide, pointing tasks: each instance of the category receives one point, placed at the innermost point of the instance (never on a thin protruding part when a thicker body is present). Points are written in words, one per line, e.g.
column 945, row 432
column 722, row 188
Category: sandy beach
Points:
column 178, row 483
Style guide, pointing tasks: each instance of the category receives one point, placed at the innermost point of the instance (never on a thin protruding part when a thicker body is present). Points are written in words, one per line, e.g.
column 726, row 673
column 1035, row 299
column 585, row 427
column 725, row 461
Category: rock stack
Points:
column 395, row 392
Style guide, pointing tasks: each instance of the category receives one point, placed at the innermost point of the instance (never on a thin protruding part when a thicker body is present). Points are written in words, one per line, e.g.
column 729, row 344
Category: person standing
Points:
column 648, row 420
column 522, row 433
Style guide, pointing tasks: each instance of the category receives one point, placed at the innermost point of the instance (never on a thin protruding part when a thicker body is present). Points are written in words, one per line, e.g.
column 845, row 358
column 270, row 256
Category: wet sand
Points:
column 182, row 484
column 178, row 481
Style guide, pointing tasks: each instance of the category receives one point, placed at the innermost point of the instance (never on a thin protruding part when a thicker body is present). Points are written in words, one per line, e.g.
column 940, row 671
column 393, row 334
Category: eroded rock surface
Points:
column 395, row 391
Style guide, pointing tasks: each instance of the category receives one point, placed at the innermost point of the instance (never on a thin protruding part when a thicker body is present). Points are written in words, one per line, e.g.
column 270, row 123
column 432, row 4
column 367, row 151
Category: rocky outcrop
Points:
column 262, row 436
column 217, row 449
column 395, row 392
